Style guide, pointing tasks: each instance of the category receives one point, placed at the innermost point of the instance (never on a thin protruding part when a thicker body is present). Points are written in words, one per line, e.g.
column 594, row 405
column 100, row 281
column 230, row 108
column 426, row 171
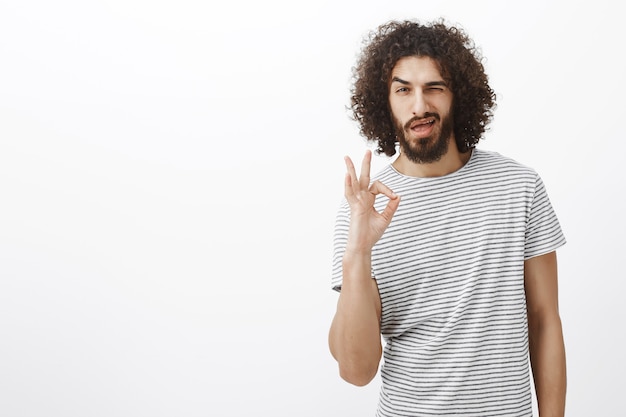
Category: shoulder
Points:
column 498, row 164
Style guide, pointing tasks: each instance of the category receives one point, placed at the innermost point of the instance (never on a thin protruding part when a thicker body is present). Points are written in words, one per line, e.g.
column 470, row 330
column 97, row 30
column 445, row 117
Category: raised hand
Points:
column 366, row 224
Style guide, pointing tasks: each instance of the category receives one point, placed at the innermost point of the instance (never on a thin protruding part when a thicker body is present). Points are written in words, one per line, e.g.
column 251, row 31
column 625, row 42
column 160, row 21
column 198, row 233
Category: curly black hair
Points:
column 460, row 64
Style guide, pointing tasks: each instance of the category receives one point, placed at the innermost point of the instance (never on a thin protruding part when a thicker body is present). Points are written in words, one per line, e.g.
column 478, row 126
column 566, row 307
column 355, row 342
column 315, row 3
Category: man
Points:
column 456, row 267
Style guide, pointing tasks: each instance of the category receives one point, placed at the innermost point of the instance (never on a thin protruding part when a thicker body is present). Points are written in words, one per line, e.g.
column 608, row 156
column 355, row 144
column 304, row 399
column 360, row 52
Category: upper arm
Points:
column 541, row 284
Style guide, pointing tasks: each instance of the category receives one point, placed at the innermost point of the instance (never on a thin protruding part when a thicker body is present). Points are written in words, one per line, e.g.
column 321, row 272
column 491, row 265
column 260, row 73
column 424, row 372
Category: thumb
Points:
column 391, row 208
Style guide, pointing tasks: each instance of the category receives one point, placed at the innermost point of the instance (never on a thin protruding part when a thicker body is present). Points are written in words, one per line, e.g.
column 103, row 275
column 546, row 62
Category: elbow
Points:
column 359, row 376
column 540, row 321
column 356, row 366
column 357, row 369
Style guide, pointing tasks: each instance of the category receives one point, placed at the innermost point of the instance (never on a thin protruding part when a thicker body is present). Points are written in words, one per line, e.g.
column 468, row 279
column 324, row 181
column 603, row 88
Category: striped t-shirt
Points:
column 450, row 272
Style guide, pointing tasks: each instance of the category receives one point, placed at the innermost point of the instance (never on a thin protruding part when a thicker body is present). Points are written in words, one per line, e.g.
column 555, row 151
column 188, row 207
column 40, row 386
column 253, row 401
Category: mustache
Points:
column 408, row 124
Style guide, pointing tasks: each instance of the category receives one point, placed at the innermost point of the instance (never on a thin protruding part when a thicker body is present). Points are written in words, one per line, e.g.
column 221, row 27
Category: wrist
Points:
column 357, row 263
column 355, row 253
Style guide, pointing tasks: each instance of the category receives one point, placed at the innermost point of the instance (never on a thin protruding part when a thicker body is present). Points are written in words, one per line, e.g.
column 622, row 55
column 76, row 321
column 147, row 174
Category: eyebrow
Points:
column 399, row 80
column 436, row 83
column 428, row 84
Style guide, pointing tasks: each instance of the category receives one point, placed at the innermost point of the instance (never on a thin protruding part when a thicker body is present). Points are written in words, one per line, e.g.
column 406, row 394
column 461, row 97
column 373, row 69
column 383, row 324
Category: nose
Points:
column 419, row 104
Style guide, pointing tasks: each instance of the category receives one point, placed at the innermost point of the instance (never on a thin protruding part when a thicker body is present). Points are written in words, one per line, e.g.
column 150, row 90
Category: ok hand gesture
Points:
column 366, row 224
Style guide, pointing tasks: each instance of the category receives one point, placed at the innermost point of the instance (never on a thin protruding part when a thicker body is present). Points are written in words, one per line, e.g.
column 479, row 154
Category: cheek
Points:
column 446, row 104
column 396, row 111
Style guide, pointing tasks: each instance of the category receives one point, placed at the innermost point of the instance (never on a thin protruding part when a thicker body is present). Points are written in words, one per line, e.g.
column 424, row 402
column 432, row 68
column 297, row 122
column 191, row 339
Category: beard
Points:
column 428, row 149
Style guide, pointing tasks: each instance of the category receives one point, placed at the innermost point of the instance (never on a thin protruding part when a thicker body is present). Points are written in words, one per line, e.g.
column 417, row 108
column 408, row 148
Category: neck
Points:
column 452, row 161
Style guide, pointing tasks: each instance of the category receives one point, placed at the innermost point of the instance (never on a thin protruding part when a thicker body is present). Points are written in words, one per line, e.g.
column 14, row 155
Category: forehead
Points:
column 417, row 69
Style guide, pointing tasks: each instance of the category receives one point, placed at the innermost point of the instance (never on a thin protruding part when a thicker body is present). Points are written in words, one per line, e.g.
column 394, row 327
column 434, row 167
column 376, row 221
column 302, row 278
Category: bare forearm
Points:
column 547, row 355
column 354, row 337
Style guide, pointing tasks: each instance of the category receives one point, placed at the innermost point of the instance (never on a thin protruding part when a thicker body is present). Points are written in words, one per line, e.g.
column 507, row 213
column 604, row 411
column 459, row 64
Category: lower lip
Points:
column 423, row 131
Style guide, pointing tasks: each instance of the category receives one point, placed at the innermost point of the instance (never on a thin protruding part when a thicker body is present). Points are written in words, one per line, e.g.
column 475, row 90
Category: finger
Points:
column 350, row 181
column 364, row 179
column 390, row 208
column 378, row 187
column 349, row 190
column 350, row 168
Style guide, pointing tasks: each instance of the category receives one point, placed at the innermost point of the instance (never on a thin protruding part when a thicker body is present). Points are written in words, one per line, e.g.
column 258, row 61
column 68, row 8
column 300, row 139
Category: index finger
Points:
column 378, row 187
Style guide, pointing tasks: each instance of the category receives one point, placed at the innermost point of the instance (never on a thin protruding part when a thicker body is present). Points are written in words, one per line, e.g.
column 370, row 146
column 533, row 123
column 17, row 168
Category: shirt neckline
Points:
column 451, row 174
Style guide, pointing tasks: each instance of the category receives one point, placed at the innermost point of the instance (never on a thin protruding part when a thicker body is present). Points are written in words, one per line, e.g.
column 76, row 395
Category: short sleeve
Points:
column 543, row 231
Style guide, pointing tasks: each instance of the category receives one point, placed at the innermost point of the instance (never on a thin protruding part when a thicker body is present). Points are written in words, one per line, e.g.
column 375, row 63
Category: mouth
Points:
column 421, row 123
column 422, row 127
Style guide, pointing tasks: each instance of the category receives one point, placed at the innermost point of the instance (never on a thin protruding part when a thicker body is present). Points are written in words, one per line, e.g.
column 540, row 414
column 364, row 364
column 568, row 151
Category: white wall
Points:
column 169, row 174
